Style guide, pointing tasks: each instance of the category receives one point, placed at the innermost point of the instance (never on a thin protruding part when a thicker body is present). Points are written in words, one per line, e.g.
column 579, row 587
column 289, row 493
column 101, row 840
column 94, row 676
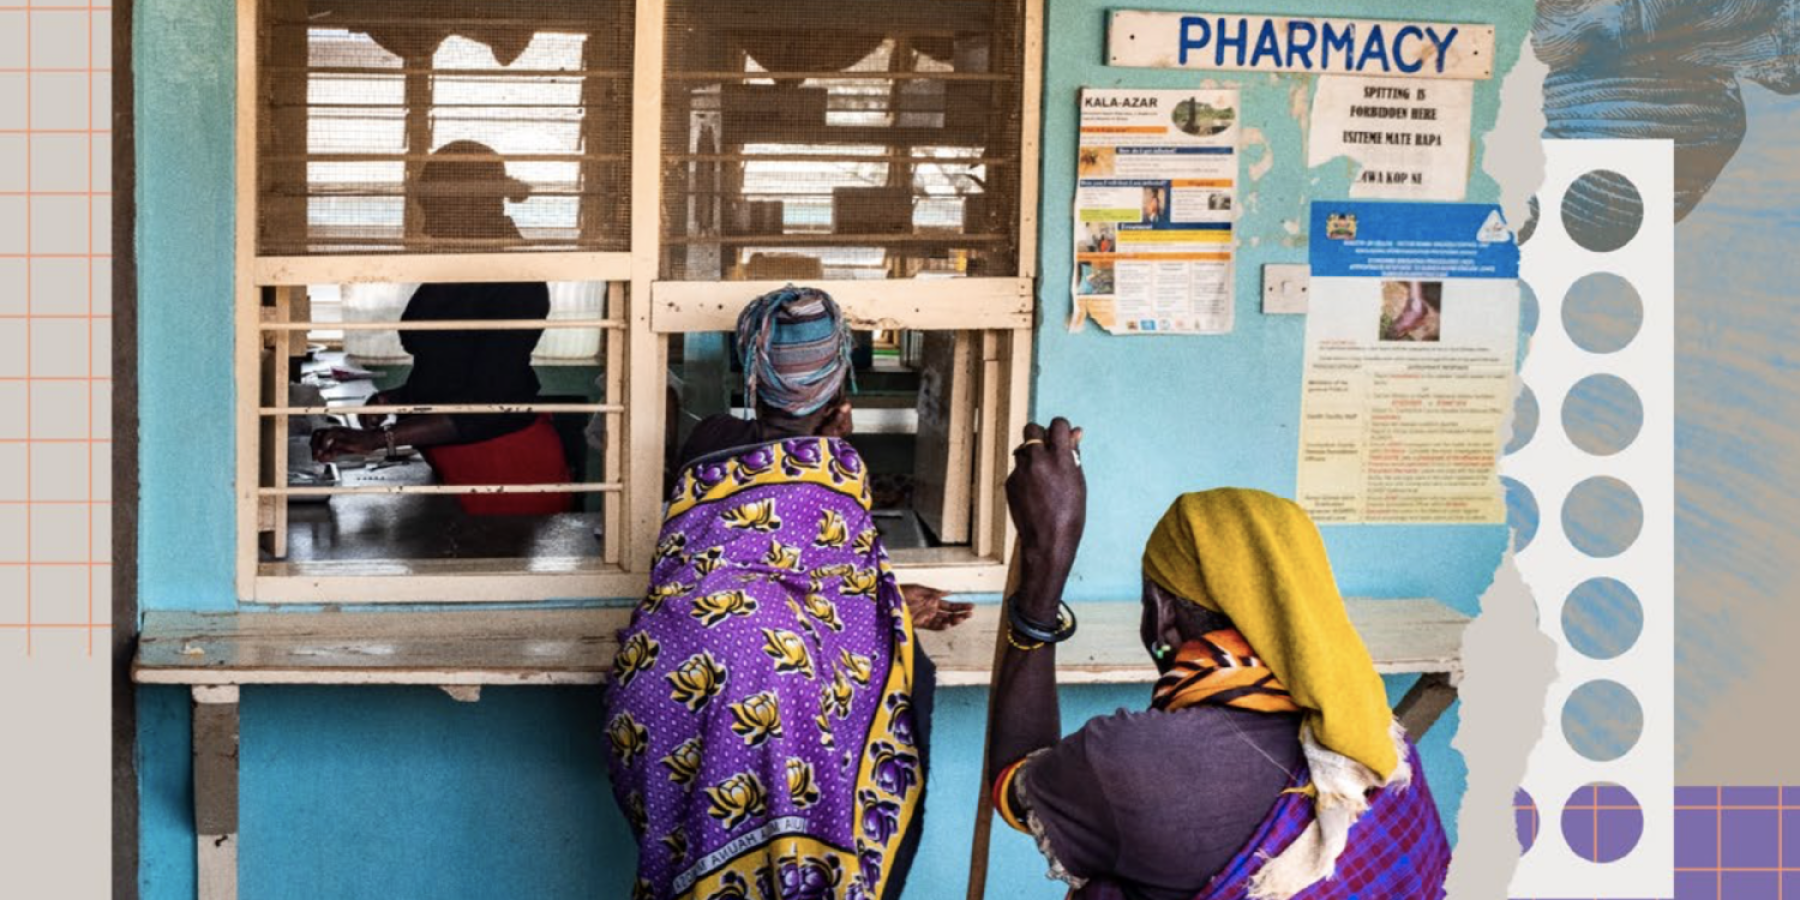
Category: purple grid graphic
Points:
column 1731, row 843
column 1525, row 819
column 1602, row 822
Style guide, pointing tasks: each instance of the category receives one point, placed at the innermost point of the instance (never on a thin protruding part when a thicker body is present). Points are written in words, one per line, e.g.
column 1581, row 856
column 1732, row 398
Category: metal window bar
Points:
column 420, row 268
column 450, row 325
column 587, row 487
column 457, row 74
column 448, row 408
column 612, row 505
column 846, row 77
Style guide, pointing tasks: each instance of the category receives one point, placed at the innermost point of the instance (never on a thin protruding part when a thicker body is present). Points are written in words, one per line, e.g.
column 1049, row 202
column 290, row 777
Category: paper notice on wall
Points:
column 1409, row 136
column 1411, row 337
column 1154, row 197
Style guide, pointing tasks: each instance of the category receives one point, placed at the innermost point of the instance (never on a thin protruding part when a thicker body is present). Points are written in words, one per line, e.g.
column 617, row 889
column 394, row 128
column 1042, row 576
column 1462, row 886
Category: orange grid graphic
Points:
column 50, row 331
column 1730, row 835
column 1731, row 843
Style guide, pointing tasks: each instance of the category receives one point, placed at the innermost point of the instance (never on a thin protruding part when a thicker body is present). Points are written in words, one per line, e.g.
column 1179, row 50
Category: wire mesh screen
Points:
column 444, row 126
column 858, row 139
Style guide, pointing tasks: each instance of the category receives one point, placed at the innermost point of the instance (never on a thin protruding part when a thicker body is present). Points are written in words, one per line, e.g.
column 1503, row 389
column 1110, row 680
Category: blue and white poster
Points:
column 1411, row 337
column 1155, row 197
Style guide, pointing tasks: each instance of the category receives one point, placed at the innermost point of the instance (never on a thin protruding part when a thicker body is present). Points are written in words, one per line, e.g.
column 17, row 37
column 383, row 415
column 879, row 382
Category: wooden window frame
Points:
column 1001, row 310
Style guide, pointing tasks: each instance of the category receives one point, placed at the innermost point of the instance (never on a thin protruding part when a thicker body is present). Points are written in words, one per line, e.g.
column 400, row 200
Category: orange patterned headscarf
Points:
column 1221, row 669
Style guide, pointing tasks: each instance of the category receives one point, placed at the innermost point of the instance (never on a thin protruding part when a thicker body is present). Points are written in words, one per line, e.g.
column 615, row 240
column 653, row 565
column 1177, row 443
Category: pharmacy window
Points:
column 842, row 141
column 433, row 276
column 484, row 261
column 917, row 412
column 886, row 153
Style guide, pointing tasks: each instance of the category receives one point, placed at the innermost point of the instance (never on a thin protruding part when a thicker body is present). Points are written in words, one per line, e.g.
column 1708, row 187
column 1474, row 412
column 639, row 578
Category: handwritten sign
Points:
column 1409, row 136
column 1236, row 42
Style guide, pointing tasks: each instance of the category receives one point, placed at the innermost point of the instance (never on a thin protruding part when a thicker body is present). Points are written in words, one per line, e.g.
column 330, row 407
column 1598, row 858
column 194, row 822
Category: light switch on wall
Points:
column 1285, row 288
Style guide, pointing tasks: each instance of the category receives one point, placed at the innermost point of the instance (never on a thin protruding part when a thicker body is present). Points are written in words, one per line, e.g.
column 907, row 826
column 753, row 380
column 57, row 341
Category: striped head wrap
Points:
column 795, row 347
column 1220, row 668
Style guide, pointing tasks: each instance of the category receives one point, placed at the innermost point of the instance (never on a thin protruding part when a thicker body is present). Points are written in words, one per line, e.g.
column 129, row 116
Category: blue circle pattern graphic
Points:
column 1602, row 720
column 1602, row 415
column 1602, row 618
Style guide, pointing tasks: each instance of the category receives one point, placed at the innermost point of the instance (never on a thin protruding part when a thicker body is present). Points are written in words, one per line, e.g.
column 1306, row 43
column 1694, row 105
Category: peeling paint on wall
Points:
column 1260, row 162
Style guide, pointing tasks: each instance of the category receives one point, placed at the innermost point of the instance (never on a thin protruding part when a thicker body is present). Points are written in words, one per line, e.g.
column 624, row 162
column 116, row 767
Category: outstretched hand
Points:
column 331, row 444
column 932, row 609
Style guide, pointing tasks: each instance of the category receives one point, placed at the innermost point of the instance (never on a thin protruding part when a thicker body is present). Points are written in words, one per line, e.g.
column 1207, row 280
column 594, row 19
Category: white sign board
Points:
column 1238, row 42
column 1409, row 136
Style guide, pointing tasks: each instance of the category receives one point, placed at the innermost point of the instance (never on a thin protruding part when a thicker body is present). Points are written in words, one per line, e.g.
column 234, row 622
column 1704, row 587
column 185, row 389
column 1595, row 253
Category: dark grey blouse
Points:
column 1150, row 805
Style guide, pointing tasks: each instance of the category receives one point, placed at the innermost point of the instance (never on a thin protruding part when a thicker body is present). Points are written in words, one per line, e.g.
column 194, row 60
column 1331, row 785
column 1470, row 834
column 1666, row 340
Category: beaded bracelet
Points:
column 1018, row 646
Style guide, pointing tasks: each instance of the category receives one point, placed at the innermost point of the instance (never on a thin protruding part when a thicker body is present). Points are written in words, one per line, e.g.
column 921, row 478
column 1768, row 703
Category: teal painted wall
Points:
column 400, row 793
column 185, row 61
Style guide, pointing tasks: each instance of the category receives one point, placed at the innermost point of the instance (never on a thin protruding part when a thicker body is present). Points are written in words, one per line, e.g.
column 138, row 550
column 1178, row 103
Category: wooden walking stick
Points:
column 984, row 805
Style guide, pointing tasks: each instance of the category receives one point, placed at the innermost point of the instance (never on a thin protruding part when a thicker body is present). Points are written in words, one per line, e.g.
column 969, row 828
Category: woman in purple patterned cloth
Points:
column 768, row 712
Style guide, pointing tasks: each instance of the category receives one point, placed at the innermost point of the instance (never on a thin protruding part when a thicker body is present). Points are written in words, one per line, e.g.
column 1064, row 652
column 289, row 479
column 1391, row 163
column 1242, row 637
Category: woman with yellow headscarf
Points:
column 1268, row 765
